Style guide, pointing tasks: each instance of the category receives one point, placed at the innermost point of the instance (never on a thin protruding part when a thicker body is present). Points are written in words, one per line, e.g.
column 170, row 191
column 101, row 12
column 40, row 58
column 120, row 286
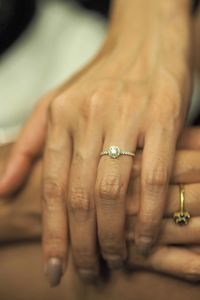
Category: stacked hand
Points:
column 134, row 95
column 177, row 250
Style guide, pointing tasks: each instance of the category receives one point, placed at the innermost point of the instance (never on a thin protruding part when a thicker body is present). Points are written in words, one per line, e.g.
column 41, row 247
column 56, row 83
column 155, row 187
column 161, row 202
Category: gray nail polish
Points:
column 54, row 271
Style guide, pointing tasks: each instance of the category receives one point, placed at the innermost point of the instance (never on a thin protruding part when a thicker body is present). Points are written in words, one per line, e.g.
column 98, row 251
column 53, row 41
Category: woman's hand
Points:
column 21, row 219
column 134, row 96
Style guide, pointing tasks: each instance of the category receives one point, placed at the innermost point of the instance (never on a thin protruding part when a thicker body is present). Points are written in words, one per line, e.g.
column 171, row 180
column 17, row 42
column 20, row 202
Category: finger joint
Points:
column 52, row 194
column 80, row 203
column 156, row 179
column 109, row 188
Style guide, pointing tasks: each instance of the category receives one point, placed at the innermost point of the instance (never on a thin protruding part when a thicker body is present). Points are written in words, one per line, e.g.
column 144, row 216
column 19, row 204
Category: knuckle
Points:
column 52, row 193
column 156, row 178
column 56, row 108
column 79, row 199
column 110, row 243
column 148, row 224
column 94, row 105
column 109, row 188
column 54, row 244
column 95, row 102
column 79, row 157
column 84, row 257
column 52, row 237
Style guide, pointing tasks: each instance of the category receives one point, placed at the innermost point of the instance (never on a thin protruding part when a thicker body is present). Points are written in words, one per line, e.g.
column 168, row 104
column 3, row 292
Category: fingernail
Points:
column 88, row 275
column 144, row 245
column 54, row 271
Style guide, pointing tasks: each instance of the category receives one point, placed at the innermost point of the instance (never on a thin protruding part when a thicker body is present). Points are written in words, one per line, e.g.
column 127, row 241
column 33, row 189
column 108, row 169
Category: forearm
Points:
column 134, row 22
column 146, row 35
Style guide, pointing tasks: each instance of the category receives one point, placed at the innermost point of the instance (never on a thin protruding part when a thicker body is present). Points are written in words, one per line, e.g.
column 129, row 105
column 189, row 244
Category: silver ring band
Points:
column 115, row 152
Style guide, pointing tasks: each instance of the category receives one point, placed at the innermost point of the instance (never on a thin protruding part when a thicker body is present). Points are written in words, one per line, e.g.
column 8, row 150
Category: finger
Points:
column 157, row 162
column 170, row 232
column 179, row 262
column 28, row 146
column 192, row 200
column 111, row 187
column 194, row 248
column 189, row 139
column 81, row 204
column 186, row 168
column 55, row 180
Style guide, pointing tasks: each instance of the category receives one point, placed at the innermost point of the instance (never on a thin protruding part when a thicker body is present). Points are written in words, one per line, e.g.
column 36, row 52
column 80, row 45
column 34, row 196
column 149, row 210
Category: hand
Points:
column 182, row 262
column 82, row 122
column 21, row 219
column 127, row 84
column 171, row 233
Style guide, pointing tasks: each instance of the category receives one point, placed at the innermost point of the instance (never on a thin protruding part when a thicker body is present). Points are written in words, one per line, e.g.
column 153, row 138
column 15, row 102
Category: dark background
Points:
column 15, row 16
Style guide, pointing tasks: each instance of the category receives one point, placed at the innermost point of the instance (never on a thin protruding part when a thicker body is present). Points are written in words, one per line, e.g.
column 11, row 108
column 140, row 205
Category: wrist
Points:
column 160, row 25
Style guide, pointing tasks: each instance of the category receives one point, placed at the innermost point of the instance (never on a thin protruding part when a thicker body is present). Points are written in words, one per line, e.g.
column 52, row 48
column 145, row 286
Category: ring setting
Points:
column 115, row 152
column 181, row 217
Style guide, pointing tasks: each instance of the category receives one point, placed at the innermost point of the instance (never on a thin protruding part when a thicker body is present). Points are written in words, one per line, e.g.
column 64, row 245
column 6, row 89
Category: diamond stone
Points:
column 114, row 151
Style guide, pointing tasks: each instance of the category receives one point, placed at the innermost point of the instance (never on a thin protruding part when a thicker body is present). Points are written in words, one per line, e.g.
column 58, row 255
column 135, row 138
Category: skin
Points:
column 21, row 219
column 196, row 41
column 23, row 284
column 75, row 122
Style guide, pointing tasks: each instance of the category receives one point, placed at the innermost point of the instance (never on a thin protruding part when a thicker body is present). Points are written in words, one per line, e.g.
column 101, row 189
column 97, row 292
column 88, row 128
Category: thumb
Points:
column 28, row 146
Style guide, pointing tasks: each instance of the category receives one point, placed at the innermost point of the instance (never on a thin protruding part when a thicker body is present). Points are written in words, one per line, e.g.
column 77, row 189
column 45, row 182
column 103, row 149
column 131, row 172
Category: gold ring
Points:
column 181, row 217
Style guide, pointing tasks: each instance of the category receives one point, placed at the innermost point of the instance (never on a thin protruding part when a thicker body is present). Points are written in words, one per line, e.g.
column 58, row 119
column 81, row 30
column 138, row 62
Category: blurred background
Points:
column 42, row 43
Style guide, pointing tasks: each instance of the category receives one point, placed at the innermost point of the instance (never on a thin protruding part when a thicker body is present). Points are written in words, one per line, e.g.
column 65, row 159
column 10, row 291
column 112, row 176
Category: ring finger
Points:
column 111, row 186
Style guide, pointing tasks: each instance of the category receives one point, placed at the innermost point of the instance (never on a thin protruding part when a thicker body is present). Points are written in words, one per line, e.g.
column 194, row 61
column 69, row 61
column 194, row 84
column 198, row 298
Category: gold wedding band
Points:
column 181, row 217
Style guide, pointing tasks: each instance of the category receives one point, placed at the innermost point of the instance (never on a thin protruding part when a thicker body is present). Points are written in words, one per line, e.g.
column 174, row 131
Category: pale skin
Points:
column 133, row 96
column 21, row 219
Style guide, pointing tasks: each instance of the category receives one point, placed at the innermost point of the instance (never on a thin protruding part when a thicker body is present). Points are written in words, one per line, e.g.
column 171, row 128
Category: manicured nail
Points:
column 54, row 271
column 88, row 275
column 144, row 245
